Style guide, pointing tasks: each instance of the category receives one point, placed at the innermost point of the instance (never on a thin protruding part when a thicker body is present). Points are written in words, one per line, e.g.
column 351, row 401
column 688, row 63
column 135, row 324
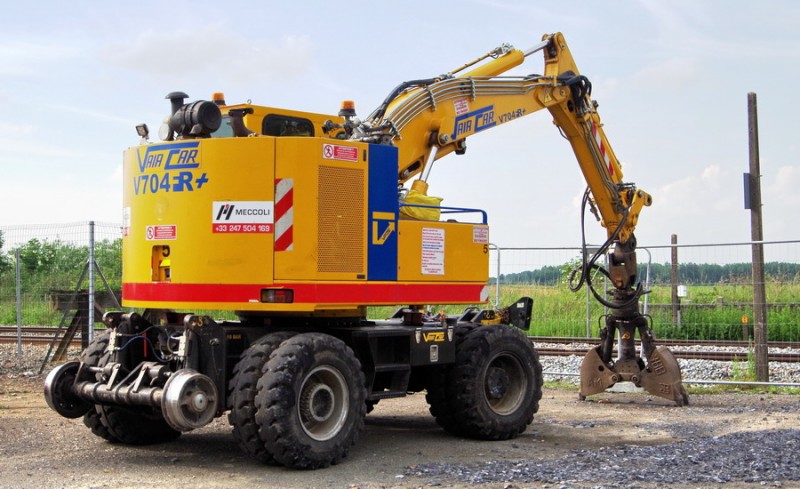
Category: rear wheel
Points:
column 243, row 389
column 91, row 357
column 132, row 425
column 493, row 389
column 311, row 401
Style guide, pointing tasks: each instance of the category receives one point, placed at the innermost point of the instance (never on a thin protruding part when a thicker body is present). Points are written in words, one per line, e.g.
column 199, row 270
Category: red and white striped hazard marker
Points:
column 284, row 214
column 602, row 147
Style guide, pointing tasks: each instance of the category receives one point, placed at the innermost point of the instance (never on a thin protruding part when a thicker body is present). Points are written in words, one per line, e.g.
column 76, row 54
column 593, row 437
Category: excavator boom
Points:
column 430, row 118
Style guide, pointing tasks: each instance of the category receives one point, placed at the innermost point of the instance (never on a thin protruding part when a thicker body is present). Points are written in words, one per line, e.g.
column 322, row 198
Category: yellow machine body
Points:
column 287, row 225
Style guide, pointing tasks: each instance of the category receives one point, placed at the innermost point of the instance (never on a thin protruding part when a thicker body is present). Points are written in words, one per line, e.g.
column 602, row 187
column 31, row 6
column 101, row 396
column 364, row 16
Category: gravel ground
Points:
column 691, row 369
column 613, row 440
column 769, row 457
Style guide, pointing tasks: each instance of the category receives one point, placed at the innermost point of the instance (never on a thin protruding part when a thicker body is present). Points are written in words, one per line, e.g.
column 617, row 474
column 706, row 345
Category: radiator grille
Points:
column 340, row 239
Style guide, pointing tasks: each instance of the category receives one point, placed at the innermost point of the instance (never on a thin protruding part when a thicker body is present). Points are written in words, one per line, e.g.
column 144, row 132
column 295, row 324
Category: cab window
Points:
column 284, row 125
column 225, row 130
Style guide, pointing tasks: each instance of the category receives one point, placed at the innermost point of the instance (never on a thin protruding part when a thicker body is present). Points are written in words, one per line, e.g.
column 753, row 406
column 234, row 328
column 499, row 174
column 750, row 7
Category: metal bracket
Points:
column 431, row 96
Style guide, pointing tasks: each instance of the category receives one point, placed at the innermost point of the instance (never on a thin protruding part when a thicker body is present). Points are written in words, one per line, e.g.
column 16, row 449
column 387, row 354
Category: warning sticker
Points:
column 432, row 251
column 461, row 105
column 242, row 216
column 480, row 234
column 161, row 232
column 339, row 152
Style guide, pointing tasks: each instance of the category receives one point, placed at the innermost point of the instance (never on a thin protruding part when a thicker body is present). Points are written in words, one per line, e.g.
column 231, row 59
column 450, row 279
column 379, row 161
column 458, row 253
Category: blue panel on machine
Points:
column 383, row 209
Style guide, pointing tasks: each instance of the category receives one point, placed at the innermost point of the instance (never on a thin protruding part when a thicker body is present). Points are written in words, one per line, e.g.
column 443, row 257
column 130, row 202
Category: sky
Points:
column 671, row 79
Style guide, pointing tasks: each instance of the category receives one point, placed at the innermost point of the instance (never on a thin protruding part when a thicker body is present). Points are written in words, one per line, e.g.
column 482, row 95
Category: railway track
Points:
column 667, row 342
column 41, row 336
column 681, row 348
column 720, row 356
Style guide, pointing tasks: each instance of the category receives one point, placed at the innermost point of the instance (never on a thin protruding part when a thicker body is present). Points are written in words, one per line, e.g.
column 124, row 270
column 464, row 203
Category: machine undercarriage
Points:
column 298, row 222
column 298, row 395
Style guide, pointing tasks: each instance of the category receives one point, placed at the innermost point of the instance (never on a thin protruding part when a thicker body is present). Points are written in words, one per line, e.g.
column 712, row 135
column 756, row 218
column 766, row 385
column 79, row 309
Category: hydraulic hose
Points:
column 589, row 265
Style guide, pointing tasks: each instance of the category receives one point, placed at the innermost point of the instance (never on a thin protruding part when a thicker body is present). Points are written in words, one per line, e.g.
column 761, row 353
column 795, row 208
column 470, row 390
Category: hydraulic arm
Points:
column 430, row 118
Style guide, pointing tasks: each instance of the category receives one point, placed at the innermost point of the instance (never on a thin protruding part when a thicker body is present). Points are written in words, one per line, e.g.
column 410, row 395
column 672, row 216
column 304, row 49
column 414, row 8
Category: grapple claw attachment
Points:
column 596, row 376
column 662, row 377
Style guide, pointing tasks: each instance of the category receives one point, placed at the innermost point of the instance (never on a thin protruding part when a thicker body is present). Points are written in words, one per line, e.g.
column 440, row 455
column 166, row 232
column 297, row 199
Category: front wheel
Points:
column 493, row 389
column 311, row 401
column 243, row 394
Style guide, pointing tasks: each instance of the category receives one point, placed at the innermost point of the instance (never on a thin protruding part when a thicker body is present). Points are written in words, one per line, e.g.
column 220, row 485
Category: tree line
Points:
column 688, row 273
column 57, row 263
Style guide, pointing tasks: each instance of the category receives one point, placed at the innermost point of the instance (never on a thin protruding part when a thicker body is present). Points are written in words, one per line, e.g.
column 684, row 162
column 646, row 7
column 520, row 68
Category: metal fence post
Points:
column 645, row 309
column 497, row 277
column 19, row 303
column 676, row 301
column 90, row 327
column 588, row 313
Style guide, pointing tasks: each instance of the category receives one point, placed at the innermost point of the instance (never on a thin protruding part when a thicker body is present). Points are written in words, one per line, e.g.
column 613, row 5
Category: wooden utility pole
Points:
column 757, row 236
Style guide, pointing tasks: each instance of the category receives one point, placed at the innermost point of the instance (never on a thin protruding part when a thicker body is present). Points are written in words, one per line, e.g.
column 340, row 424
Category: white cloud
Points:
column 116, row 176
column 544, row 15
column 54, row 201
column 672, row 73
column 14, row 131
column 23, row 58
column 711, row 186
column 781, row 190
column 29, row 149
column 713, row 31
column 711, row 172
column 93, row 114
column 702, row 207
column 211, row 49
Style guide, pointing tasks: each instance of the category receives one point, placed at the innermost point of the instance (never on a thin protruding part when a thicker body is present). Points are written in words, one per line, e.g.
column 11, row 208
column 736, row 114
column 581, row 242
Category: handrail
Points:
column 451, row 210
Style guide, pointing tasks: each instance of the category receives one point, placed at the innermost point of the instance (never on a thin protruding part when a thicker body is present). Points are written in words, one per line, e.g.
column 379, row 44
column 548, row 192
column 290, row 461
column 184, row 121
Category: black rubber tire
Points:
column 436, row 386
column 91, row 357
column 133, row 425
column 311, row 374
column 243, row 389
column 493, row 389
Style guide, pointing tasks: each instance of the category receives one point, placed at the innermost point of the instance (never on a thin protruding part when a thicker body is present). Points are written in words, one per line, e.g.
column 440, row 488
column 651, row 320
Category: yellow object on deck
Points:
column 414, row 198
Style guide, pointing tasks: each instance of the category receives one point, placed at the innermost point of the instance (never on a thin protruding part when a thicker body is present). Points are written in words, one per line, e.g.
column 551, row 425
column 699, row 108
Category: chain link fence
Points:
column 714, row 285
column 711, row 296
column 40, row 268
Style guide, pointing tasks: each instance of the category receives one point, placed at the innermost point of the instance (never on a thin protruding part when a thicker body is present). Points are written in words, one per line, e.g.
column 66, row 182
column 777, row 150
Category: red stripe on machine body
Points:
column 325, row 293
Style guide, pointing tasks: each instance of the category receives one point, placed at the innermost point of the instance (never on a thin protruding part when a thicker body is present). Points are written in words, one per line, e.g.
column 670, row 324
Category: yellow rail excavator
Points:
column 296, row 222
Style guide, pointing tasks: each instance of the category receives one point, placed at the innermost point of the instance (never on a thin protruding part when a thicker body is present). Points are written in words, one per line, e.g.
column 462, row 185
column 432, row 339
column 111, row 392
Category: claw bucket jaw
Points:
column 596, row 375
column 661, row 376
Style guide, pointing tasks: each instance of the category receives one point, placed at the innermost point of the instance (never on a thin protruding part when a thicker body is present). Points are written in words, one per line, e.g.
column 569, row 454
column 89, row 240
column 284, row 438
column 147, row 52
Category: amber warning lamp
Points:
column 218, row 98
column 348, row 109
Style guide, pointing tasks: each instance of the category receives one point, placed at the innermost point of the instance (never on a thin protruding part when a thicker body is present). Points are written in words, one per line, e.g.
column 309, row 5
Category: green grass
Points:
column 745, row 371
column 559, row 312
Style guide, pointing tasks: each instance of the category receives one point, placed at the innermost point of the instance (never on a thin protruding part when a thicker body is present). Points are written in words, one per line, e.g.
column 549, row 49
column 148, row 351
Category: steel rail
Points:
column 40, row 335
